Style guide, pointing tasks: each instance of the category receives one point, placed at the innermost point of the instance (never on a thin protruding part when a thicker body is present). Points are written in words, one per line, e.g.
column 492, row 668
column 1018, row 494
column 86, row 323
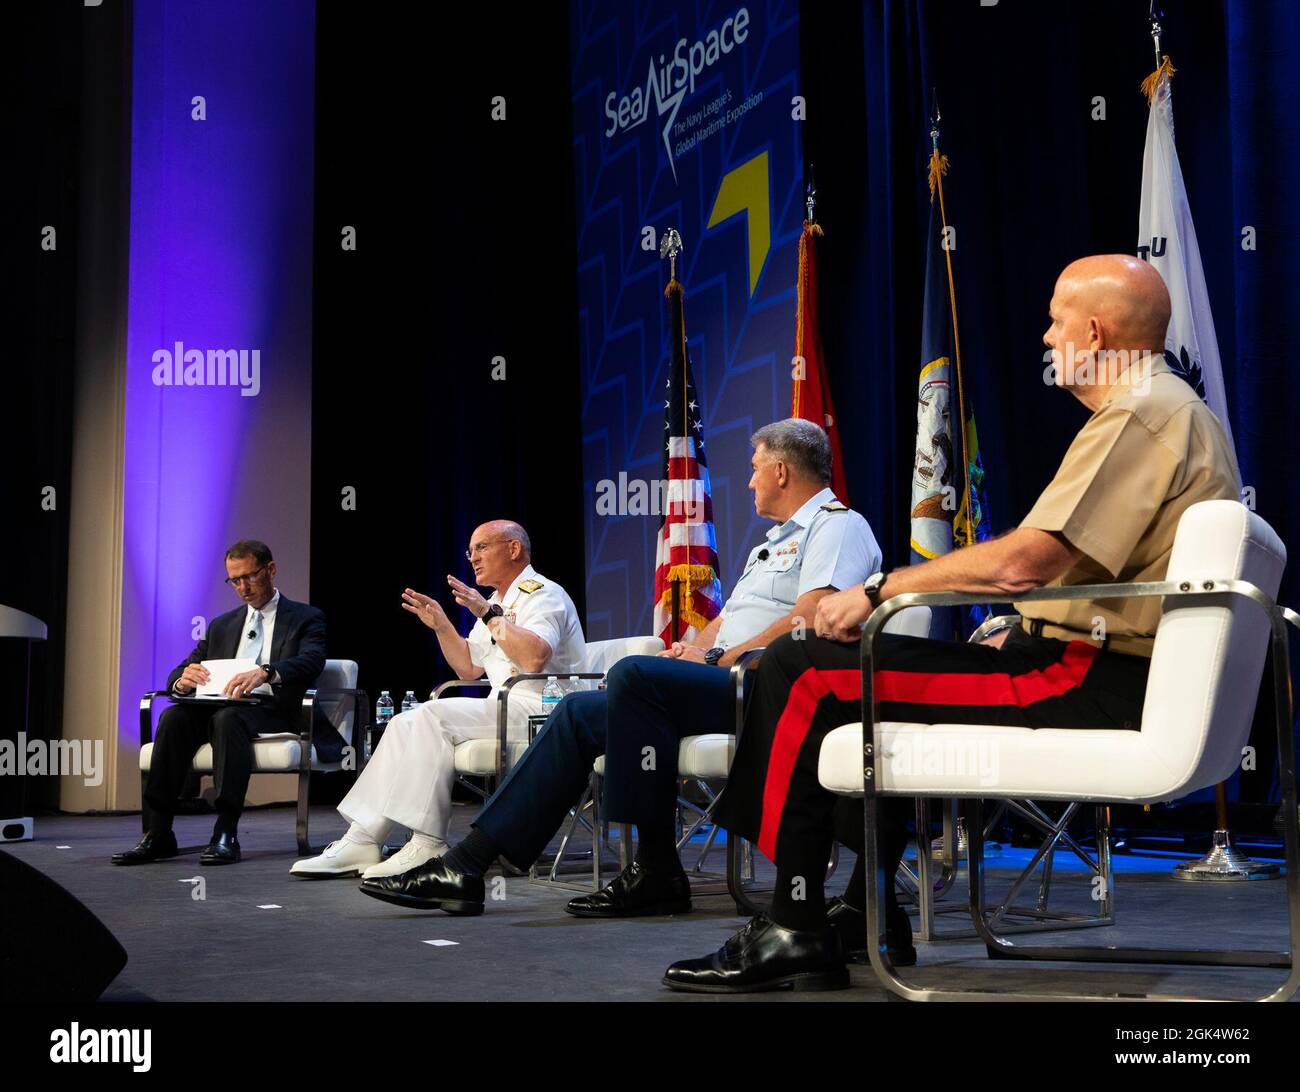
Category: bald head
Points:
column 507, row 529
column 1108, row 311
column 1124, row 295
column 499, row 550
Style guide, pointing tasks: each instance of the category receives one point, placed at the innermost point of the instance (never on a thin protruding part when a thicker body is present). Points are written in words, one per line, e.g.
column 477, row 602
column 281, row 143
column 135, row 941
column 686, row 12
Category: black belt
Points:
column 1036, row 630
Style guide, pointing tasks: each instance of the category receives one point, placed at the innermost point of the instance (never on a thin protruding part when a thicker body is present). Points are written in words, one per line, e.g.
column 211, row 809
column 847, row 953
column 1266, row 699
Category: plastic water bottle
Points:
column 383, row 714
column 551, row 695
column 409, row 702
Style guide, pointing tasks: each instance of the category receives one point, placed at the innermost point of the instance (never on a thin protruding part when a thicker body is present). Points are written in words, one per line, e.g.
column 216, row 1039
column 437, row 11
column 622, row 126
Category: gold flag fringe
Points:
column 938, row 167
column 696, row 574
column 1152, row 82
column 810, row 228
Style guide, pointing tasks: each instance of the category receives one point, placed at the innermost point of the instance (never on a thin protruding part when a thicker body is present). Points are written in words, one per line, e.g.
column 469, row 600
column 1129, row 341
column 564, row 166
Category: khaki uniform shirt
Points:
column 1149, row 452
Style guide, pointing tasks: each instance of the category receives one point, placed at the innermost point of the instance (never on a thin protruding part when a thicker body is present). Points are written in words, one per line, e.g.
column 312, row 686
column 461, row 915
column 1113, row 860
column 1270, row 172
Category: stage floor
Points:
column 260, row 934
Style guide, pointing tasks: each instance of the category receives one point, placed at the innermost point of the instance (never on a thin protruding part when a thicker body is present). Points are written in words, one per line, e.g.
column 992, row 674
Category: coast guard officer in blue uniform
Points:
column 818, row 546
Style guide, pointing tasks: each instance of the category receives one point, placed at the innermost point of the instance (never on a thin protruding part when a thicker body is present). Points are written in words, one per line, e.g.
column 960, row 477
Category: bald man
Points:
column 1150, row 449
column 527, row 625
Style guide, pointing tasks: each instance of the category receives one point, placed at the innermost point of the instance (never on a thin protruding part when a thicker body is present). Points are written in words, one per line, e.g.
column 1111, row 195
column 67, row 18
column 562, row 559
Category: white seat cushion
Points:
column 697, row 756
column 706, row 756
column 602, row 655
column 271, row 754
column 478, row 757
column 990, row 760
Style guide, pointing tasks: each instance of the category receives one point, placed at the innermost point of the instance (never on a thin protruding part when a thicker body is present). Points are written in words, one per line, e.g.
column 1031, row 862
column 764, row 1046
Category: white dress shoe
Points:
column 408, row 857
column 340, row 858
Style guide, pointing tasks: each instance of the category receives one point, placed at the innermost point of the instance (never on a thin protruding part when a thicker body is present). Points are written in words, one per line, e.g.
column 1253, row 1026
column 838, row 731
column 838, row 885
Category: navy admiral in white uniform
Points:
column 817, row 546
column 528, row 625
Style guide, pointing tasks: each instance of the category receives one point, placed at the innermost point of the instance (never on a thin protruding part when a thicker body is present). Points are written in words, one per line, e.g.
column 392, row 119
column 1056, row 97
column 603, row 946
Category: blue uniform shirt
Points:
column 823, row 545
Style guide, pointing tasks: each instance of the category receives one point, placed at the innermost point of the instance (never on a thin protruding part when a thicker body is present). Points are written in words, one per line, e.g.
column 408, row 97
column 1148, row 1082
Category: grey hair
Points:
column 513, row 530
column 800, row 443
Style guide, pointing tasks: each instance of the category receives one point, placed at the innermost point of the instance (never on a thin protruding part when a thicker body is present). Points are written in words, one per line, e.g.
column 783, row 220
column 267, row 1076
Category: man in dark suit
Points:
column 287, row 642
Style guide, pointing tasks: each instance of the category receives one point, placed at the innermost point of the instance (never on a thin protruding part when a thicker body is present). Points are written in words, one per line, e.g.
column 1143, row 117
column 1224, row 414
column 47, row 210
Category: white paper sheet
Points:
column 222, row 671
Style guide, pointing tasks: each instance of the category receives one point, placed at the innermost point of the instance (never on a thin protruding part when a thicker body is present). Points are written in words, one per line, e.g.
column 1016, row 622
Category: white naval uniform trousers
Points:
column 409, row 778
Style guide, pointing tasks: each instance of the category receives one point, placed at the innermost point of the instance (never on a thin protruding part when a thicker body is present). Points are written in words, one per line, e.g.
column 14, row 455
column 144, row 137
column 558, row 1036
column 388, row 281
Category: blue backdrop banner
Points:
column 685, row 115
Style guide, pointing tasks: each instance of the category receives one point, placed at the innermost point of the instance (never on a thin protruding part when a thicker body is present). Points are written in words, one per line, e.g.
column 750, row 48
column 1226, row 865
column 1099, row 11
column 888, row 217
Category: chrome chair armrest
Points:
column 305, row 719
column 360, row 706
column 745, row 663
column 146, row 713
column 993, row 624
column 1175, row 591
column 503, row 701
column 456, row 684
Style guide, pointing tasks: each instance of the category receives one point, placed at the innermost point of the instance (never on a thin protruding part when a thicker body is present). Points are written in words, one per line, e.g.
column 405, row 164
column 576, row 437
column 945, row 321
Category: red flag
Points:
column 812, row 391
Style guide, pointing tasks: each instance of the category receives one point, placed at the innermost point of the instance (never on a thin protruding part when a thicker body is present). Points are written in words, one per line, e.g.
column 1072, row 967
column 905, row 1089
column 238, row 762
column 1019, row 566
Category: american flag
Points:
column 688, row 547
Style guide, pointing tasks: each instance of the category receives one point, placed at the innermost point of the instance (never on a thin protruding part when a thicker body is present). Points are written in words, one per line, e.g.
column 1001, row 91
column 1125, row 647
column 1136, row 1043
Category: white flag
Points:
column 1167, row 239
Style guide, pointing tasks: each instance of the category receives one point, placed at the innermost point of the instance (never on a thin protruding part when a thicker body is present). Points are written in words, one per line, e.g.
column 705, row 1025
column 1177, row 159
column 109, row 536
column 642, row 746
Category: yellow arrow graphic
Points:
column 745, row 189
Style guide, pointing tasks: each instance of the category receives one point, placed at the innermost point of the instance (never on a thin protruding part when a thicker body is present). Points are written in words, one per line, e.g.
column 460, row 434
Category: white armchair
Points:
column 1220, row 621
column 287, row 752
column 492, row 758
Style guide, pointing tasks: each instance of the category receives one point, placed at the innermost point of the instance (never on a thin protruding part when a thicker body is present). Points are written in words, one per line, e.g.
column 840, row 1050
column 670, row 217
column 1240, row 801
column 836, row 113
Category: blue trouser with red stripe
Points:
column 804, row 688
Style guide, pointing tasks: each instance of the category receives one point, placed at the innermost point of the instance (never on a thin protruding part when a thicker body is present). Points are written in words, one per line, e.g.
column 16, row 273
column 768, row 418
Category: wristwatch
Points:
column 494, row 611
column 872, row 587
column 714, row 655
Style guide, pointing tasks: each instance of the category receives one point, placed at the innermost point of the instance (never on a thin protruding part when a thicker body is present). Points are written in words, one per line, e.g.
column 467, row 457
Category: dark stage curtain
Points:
column 464, row 252
column 1035, row 182
column 67, row 136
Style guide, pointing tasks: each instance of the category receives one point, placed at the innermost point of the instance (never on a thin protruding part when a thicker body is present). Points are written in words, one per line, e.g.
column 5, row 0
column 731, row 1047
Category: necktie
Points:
column 255, row 641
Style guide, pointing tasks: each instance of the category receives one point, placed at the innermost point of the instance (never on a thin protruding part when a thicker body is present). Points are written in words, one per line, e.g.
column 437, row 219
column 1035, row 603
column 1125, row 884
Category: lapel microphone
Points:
column 252, row 633
column 762, row 554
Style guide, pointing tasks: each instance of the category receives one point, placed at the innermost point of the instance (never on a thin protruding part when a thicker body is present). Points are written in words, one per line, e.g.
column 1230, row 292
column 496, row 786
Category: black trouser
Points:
column 651, row 703
column 182, row 730
column 804, row 688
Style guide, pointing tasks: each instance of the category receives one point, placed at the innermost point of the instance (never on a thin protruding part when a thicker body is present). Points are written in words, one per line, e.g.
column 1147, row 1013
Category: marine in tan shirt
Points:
column 1150, row 450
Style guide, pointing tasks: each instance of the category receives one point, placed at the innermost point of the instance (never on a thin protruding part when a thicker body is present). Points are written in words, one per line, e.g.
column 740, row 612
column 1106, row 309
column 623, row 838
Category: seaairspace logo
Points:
column 670, row 80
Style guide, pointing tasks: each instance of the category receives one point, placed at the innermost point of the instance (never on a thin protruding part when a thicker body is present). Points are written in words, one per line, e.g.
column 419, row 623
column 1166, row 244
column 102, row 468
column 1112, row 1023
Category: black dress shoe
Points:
column 152, row 847
column 636, row 893
column 851, row 924
column 430, row 886
column 223, row 849
column 766, row 956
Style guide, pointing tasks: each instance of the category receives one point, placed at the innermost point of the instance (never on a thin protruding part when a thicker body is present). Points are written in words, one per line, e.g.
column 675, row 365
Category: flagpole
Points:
column 1164, row 66
column 1153, row 18
column 670, row 246
column 938, row 165
column 1224, row 861
column 810, row 228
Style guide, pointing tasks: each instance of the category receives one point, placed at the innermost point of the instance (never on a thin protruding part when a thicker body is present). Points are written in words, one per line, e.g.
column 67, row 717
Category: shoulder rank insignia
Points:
column 835, row 506
column 530, row 586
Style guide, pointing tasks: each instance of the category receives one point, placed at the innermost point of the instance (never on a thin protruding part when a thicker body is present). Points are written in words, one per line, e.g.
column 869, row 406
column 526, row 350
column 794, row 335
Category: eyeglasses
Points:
column 235, row 581
column 475, row 551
